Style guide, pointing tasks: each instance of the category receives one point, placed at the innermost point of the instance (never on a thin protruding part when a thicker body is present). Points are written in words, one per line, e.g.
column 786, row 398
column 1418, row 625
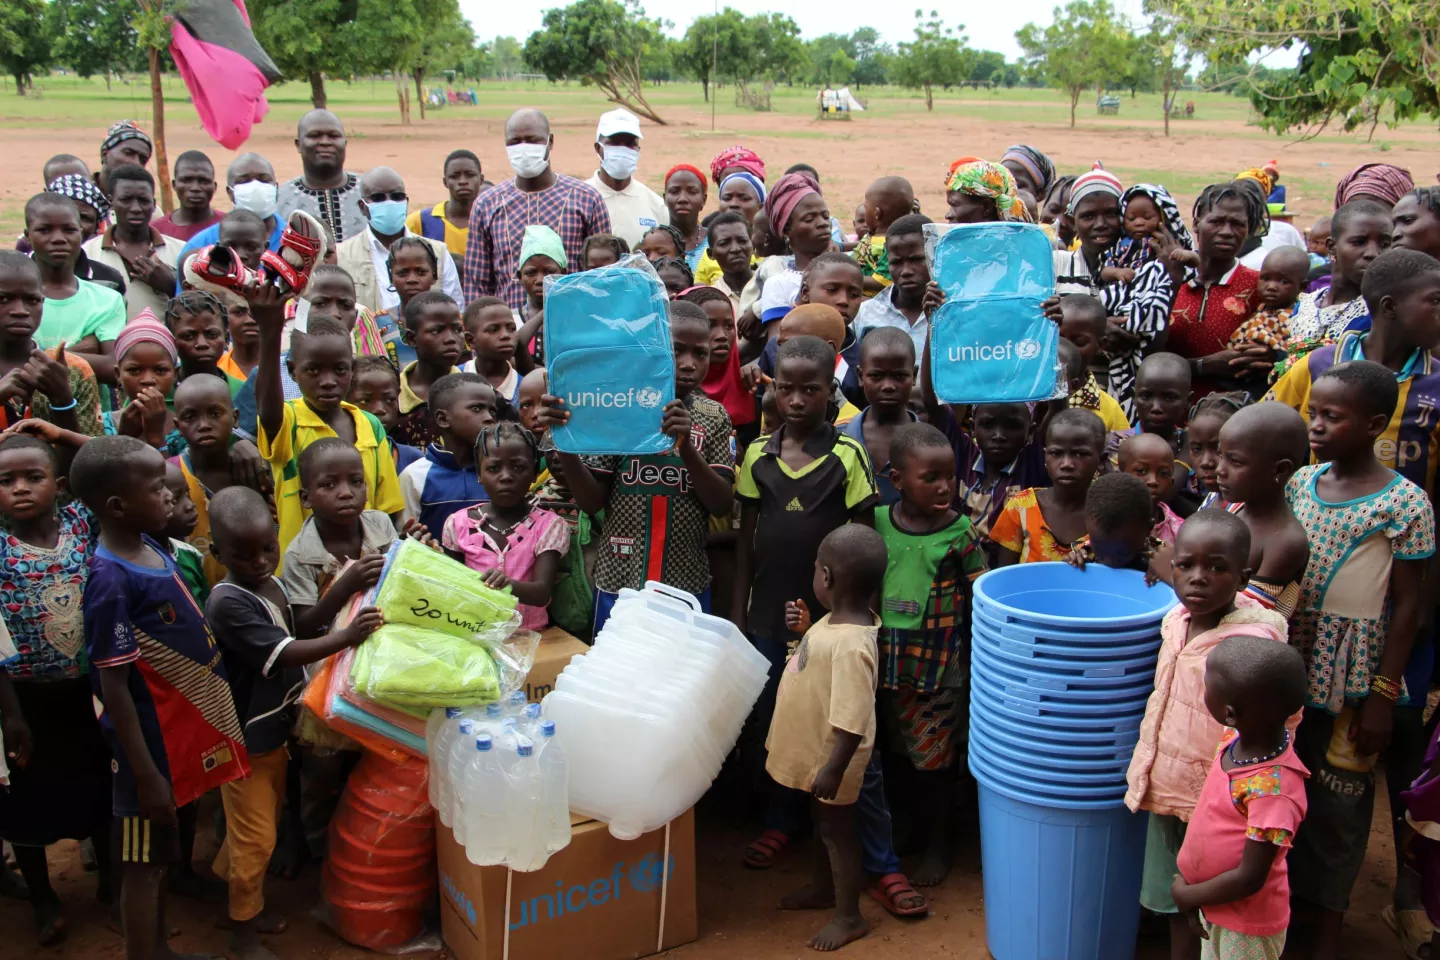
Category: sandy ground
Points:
column 738, row 915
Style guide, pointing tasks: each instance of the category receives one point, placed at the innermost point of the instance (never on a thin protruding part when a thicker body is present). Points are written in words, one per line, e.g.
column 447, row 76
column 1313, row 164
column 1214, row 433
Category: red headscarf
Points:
column 688, row 169
column 737, row 156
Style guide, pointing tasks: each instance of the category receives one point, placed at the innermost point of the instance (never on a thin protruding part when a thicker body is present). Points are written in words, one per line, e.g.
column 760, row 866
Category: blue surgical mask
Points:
column 387, row 217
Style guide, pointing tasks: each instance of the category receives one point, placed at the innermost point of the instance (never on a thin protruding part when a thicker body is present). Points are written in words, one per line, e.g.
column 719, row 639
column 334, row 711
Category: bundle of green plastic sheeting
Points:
column 409, row 667
column 427, row 589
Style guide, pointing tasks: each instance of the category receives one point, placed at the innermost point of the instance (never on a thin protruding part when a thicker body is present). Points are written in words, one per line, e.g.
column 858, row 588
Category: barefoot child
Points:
column 1234, row 882
column 255, row 627
column 823, row 731
column 514, row 543
column 1044, row 523
column 887, row 372
column 490, row 335
column 1178, row 735
column 933, row 556
column 1261, row 447
column 433, row 329
column 1282, row 280
column 1150, row 458
column 445, row 481
column 172, row 727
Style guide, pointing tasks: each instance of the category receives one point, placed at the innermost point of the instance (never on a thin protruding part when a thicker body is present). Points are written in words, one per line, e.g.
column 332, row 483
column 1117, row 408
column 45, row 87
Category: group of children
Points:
column 182, row 549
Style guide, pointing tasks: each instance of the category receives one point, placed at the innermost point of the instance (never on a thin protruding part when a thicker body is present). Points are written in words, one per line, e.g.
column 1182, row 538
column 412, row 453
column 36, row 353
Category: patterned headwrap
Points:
column 81, row 188
column 691, row 169
column 737, row 156
column 786, row 195
column 1382, row 180
column 146, row 328
column 1260, row 175
column 1098, row 180
column 981, row 178
column 1041, row 170
column 1169, row 210
column 750, row 178
column 540, row 241
column 122, row 131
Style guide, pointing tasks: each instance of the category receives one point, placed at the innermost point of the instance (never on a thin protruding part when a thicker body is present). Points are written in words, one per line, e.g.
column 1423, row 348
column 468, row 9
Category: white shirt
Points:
column 389, row 299
column 880, row 311
column 139, row 295
column 634, row 211
column 1281, row 234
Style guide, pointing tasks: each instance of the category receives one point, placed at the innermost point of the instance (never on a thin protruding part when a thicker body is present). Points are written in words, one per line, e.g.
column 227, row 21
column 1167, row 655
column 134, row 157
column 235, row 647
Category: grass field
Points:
column 896, row 134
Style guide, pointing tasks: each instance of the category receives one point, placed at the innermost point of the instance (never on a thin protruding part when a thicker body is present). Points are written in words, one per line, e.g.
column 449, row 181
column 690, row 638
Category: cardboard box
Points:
column 599, row 898
column 555, row 651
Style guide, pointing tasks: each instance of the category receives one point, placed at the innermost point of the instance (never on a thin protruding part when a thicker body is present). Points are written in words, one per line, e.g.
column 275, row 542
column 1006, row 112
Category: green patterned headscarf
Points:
column 981, row 178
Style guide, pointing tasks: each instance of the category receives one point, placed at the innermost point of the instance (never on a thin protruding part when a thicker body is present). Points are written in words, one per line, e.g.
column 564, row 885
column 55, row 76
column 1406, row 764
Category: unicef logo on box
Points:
column 648, row 397
column 1027, row 349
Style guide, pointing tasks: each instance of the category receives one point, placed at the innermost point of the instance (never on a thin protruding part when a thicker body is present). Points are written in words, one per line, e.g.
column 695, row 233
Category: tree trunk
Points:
column 929, row 98
column 318, row 99
column 705, row 87
column 20, row 84
column 107, row 79
column 1165, row 104
column 402, row 93
column 1074, row 99
column 420, row 89
column 157, row 108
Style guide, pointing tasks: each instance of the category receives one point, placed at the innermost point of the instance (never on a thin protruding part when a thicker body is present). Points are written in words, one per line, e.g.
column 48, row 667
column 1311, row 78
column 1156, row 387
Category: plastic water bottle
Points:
column 525, row 847
column 514, row 703
column 555, row 781
column 485, row 805
column 530, row 723
column 451, row 764
column 440, row 730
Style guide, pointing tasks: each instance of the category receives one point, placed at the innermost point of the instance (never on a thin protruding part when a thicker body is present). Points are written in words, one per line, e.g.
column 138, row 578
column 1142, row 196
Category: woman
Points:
column 978, row 191
column 796, row 211
column 685, row 198
column 743, row 193
column 736, row 159
column 1416, row 221
column 1032, row 170
column 1094, row 210
column 1382, row 182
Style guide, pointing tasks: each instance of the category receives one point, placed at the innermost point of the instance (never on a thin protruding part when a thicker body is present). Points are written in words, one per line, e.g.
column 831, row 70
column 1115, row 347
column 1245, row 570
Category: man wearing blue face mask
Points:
column 385, row 204
column 634, row 208
column 250, row 182
column 537, row 196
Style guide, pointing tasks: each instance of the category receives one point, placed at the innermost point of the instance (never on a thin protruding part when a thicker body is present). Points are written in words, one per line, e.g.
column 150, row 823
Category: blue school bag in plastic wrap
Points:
column 609, row 357
column 990, row 341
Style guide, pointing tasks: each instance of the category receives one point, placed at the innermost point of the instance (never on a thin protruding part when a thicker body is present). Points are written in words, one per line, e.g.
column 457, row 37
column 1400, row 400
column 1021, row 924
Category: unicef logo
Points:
column 1027, row 349
column 646, row 875
column 650, row 397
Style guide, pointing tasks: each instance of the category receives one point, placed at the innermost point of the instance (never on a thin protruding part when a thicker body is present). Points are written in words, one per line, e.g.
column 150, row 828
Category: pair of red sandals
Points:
column 218, row 270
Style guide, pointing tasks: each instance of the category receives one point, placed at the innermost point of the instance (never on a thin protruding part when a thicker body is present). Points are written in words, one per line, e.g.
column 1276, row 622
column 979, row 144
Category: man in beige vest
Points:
column 385, row 205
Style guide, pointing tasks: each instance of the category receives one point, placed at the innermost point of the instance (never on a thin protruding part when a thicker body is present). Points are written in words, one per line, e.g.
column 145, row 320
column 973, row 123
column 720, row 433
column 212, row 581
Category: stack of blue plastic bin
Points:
column 1063, row 662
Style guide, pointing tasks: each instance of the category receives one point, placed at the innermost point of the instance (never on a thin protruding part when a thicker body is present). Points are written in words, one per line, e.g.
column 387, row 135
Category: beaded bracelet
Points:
column 1385, row 687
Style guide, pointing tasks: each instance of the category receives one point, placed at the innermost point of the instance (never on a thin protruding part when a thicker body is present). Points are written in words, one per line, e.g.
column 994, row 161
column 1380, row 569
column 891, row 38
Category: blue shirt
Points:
column 208, row 238
column 435, row 487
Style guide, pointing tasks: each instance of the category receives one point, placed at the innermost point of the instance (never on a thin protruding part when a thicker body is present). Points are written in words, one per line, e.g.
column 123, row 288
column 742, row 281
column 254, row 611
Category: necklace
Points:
column 1284, row 745
column 499, row 530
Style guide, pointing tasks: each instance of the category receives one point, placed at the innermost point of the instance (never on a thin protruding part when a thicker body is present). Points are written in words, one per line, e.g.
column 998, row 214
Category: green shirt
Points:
column 191, row 564
column 93, row 309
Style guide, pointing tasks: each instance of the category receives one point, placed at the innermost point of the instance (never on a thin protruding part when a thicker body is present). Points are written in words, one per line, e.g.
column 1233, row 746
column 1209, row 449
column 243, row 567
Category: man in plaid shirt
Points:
column 537, row 195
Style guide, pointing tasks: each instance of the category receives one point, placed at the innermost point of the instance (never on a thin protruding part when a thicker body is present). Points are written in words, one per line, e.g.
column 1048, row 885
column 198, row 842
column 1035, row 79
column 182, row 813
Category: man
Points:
column 537, row 195
column 124, row 143
column 634, row 208
column 250, row 184
column 324, row 190
column 384, row 204
column 132, row 246
column 194, row 186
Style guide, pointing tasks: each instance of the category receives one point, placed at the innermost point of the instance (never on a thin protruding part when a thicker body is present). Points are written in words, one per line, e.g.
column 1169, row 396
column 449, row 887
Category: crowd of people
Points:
column 201, row 466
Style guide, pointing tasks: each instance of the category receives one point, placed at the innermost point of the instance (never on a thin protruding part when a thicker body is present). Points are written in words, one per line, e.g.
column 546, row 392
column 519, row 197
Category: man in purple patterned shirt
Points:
column 537, row 195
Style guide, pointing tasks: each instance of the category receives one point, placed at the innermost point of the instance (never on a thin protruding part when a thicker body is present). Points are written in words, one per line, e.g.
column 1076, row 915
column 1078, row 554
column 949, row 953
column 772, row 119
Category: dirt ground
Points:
column 738, row 915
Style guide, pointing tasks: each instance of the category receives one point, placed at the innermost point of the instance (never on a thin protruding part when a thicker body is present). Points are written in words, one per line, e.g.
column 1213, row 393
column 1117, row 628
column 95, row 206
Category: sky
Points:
column 815, row 17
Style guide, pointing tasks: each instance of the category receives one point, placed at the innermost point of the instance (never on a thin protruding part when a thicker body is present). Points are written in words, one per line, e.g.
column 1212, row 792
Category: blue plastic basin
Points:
column 1059, row 595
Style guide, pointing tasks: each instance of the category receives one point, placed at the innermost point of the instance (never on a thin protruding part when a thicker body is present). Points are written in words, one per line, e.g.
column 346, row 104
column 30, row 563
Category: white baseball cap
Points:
column 618, row 121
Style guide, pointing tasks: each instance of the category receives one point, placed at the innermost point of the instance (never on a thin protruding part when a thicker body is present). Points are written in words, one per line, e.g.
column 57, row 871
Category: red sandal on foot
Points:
column 891, row 889
column 766, row 850
column 217, row 269
column 302, row 245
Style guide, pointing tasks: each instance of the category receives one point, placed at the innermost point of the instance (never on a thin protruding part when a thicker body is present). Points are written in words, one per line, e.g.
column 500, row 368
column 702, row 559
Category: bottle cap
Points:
column 492, row 709
column 451, row 713
column 467, row 726
column 547, row 727
column 525, row 748
column 483, row 742
column 532, row 711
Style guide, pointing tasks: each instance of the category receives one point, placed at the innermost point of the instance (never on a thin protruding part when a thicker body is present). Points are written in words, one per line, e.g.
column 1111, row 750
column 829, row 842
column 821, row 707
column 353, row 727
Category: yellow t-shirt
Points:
column 200, row 537
column 302, row 427
column 455, row 238
column 1109, row 410
column 707, row 271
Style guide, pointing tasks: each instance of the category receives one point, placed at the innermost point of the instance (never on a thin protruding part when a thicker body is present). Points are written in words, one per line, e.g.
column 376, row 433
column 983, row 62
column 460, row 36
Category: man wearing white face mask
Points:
column 365, row 256
column 250, row 183
column 634, row 208
column 537, row 196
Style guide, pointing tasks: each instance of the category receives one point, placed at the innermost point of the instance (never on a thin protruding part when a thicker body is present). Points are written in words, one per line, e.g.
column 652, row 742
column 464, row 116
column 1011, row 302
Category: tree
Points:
column 821, row 50
column 308, row 39
column 935, row 58
column 777, row 52
column 507, row 57
column 1169, row 56
column 26, row 40
column 1083, row 47
column 152, row 29
column 95, row 36
column 840, row 68
column 1362, row 62
column 601, row 43
column 714, row 42
column 988, row 65
column 872, row 56
column 443, row 45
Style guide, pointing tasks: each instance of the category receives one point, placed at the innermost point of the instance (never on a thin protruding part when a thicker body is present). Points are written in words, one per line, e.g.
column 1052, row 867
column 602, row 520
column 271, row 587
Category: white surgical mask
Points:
column 528, row 159
column 620, row 162
column 257, row 196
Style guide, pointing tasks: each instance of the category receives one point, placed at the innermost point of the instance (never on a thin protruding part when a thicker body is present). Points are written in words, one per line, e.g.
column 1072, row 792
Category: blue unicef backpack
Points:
column 990, row 342
column 609, row 357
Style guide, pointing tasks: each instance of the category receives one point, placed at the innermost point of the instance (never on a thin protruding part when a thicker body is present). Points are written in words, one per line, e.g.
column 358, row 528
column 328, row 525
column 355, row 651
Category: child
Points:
column 823, row 321
column 933, row 556
column 445, row 481
column 168, row 713
column 449, row 220
column 246, row 234
column 516, row 544
column 321, row 361
column 1201, row 446
column 188, row 560
column 1232, row 866
column 887, row 372
column 1119, row 516
column 886, row 200
column 331, row 293
column 413, row 267
column 338, row 528
column 723, row 381
column 205, row 417
column 1083, row 324
column 1044, row 523
column 84, row 315
column 675, row 274
column 1147, row 210
column 256, row 628
column 903, row 304
column 60, row 781
column 1162, row 400
column 823, row 730
column 490, row 334
column 1178, row 735
column 1150, row 458
column 375, row 388
column 146, row 362
column 694, row 485
column 197, row 321
column 542, row 254
column 662, row 243
column 602, row 250
column 1362, row 232
column 1370, row 531
column 1282, row 279
column 434, row 330
column 1261, row 447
